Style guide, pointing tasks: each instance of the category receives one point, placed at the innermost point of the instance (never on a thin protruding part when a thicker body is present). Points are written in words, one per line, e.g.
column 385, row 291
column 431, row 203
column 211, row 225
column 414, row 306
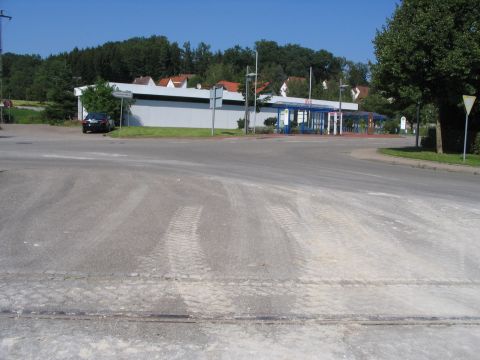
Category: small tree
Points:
column 62, row 102
column 99, row 98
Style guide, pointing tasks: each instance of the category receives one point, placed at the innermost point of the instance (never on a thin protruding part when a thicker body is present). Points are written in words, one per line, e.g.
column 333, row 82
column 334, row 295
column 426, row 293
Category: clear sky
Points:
column 344, row 27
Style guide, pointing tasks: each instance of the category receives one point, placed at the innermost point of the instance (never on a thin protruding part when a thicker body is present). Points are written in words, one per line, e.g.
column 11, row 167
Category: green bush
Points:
column 429, row 141
column 391, row 127
column 476, row 144
column 264, row 129
column 452, row 140
column 241, row 123
column 271, row 121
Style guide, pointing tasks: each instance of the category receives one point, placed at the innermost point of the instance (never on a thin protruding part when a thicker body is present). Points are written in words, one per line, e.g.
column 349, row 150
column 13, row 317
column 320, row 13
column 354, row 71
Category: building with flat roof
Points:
column 188, row 107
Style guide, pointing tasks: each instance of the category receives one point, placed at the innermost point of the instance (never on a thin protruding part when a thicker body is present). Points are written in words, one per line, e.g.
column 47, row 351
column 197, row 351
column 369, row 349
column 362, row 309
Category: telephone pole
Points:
column 2, row 15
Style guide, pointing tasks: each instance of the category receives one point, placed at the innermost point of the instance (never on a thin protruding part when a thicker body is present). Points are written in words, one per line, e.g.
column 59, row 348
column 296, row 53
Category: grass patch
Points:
column 24, row 116
column 413, row 153
column 29, row 103
column 158, row 132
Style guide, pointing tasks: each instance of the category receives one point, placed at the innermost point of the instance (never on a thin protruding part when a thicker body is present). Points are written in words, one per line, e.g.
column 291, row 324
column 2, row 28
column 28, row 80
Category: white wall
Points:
column 189, row 114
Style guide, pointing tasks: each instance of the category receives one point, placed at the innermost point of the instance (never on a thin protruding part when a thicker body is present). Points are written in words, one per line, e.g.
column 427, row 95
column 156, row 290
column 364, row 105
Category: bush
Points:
column 476, row 144
column 429, row 142
column 391, row 127
column 452, row 140
column 241, row 123
column 264, row 129
column 271, row 121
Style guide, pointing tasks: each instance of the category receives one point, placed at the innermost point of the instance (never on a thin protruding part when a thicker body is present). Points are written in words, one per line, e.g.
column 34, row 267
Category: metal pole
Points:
column 309, row 99
column 246, row 103
column 121, row 113
column 465, row 141
column 255, row 101
column 340, row 108
column 213, row 110
column 417, row 135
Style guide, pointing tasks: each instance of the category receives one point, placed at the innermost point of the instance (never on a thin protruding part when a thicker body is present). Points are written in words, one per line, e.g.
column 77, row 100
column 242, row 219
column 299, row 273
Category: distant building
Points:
column 179, row 81
column 284, row 88
column 229, row 85
column 144, row 80
column 170, row 106
column 359, row 93
column 234, row 86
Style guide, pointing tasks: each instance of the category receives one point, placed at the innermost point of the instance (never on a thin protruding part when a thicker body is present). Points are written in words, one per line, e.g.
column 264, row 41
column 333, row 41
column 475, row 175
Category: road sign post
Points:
column 122, row 95
column 468, row 101
column 216, row 101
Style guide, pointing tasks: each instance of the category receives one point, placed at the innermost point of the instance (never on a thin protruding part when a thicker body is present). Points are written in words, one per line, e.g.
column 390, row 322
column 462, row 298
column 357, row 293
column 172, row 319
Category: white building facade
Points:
column 190, row 108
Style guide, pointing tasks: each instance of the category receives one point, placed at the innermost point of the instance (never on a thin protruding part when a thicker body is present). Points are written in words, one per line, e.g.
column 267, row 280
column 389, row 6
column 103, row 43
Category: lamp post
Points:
column 342, row 86
column 247, row 107
column 255, row 93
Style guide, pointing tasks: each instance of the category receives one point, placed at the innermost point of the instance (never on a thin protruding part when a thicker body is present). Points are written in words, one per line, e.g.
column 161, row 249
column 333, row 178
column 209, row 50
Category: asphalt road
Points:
column 232, row 248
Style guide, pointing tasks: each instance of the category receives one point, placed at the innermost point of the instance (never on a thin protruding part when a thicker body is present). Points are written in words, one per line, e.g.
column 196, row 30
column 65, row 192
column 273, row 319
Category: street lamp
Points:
column 342, row 86
column 247, row 77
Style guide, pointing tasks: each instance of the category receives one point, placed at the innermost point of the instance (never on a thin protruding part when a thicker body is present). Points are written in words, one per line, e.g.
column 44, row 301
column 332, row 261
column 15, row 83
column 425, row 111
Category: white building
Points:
column 188, row 107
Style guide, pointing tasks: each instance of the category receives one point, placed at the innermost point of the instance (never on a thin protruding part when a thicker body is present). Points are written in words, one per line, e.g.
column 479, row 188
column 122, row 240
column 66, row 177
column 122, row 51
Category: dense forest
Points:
column 31, row 77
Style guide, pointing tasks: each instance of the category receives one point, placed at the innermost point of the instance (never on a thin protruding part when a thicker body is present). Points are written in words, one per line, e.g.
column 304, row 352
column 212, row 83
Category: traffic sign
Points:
column 123, row 94
column 216, row 97
column 403, row 123
column 469, row 101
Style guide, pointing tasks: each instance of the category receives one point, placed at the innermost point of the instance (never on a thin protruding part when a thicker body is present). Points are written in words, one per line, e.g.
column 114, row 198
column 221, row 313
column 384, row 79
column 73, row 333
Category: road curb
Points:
column 374, row 155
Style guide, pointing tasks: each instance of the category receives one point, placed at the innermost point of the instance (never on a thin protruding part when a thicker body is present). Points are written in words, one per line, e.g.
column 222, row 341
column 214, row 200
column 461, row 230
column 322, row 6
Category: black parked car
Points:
column 97, row 122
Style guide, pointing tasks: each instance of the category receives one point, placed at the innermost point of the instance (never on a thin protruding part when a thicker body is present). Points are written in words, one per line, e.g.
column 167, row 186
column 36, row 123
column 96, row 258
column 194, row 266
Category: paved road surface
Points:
column 234, row 248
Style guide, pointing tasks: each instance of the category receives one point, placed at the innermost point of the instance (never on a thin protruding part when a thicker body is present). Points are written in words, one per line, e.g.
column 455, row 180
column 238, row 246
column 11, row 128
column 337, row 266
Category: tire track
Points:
column 187, row 260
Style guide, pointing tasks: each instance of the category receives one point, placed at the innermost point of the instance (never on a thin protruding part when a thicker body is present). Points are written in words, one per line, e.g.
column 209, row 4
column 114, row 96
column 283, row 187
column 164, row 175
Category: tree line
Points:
column 31, row 77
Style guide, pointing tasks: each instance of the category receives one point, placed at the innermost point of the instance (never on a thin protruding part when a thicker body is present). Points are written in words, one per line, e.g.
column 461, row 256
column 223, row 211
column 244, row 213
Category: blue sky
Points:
column 345, row 27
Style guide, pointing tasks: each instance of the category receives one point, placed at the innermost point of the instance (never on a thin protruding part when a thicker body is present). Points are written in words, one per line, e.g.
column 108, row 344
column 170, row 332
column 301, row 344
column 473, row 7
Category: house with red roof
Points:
column 359, row 93
column 144, row 80
column 179, row 81
column 284, row 87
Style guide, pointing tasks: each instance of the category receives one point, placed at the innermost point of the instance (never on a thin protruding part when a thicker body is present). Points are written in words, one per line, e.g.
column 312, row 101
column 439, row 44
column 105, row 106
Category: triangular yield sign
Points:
column 468, row 101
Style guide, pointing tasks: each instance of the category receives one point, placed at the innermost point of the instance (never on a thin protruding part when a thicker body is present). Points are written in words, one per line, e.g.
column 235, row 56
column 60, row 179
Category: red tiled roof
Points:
column 142, row 80
column 262, row 87
column 229, row 85
column 163, row 82
column 176, row 80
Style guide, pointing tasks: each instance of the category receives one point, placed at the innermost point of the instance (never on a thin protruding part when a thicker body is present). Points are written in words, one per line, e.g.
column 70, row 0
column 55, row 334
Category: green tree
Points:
column 217, row 72
column 298, row 88
column 99, row 98
column 430, row 51
column 62, row 102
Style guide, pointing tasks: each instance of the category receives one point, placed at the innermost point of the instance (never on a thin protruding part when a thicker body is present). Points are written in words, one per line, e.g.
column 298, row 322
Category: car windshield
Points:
column 96, row 116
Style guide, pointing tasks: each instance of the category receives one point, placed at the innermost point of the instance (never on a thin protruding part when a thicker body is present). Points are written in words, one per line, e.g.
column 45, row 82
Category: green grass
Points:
column 24, row 116
column 29, row 103
column 158, row 132
column 413, row 153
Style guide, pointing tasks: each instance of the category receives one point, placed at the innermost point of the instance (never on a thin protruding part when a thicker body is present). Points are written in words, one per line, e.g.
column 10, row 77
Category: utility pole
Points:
column 2, row 15
column 255, row 99
column 310, row 99
column 246, row 103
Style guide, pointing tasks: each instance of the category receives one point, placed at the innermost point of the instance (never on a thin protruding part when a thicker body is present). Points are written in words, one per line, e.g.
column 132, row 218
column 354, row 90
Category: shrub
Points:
column 271, row 121
column 264, row 130
column 452, row 140
column 241, row 123
column 391, row 127
column 429, row 142
column 476, row 144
